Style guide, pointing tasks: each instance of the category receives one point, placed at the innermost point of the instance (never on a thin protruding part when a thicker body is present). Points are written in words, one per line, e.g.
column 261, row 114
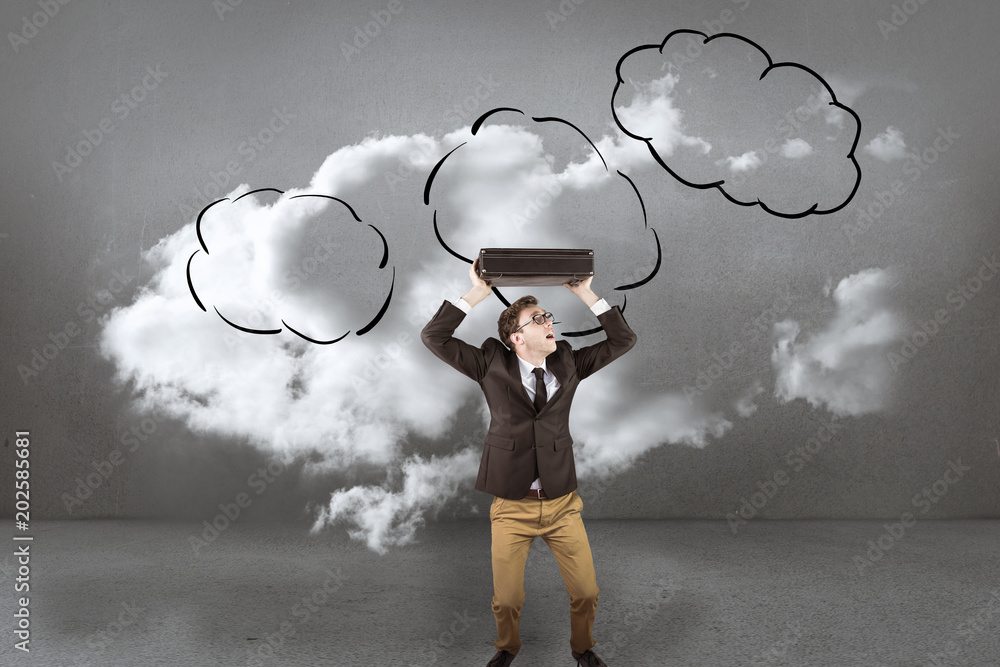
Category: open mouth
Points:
column 551, row 336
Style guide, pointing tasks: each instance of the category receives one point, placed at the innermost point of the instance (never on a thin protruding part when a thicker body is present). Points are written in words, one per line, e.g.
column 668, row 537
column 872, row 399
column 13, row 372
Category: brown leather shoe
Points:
column 501, row 659
column 588, row 659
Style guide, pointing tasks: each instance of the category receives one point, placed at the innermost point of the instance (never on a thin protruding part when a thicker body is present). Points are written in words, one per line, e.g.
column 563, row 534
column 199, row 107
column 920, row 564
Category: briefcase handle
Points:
column 574, row 282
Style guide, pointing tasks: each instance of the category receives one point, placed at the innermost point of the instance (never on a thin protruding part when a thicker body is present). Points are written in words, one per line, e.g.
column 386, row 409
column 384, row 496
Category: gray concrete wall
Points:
column 76, row 242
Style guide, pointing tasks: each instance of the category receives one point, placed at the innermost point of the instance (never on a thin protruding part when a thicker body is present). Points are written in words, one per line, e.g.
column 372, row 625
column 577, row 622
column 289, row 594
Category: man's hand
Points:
column 480, row 288
column 583, row 291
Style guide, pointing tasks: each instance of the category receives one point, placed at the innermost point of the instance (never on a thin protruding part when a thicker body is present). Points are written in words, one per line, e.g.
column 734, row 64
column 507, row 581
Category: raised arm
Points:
column 584, row 292
column 438, row 336
column 620, row 337
column 480, row 288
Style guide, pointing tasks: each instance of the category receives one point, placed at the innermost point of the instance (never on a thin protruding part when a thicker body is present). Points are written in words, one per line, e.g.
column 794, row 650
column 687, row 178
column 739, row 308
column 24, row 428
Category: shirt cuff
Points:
column 463, row 305
column 600, row 307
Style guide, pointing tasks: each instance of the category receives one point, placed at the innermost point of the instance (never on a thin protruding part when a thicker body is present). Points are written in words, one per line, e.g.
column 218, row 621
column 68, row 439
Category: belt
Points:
column 536, row 493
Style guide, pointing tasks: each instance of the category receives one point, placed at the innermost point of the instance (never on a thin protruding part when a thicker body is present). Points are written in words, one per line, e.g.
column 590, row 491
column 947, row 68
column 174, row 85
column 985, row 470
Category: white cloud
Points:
column 729, row 101
column 283, row 394
column 745, row 162
column 818, row 103
column 502, row 183
column 794, row 149
column 843, row 366
column 354, row 403
column 614, row 424
column 847, row 91
column 652, row 113
column 383, row 518
column 744, row 405
column 888, row 146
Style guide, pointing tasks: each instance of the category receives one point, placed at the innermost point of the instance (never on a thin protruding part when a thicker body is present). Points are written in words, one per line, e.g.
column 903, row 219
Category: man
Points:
column 527, row 462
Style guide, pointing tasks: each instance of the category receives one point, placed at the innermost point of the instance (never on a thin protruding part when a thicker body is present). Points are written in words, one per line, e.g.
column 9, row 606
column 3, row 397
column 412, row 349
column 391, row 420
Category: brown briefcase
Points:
column 535, row 266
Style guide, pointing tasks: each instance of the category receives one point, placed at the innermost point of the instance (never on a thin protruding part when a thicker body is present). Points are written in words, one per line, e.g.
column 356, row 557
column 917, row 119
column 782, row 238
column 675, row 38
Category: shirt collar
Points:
column 527, row 368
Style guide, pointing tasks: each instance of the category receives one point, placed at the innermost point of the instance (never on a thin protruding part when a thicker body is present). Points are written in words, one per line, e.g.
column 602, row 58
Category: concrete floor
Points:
column 685, row 593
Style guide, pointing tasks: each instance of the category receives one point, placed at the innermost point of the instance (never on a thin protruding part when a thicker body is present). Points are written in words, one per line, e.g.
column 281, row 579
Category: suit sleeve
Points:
column 437, row 337
column 620, row 339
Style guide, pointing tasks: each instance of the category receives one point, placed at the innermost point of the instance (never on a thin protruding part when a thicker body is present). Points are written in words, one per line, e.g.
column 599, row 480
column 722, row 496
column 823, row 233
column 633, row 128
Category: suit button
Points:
column 537, row 419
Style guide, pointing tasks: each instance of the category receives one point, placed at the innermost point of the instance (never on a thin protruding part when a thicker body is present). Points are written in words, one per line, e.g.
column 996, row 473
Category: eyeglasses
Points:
column 538, row 319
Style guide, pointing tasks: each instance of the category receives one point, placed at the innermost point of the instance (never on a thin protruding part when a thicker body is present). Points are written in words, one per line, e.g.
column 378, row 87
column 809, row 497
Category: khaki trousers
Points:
column 515, row 524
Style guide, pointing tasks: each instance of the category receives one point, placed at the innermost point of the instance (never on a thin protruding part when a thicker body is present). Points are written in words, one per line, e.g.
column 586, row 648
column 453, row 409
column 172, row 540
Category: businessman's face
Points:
column 538, row 338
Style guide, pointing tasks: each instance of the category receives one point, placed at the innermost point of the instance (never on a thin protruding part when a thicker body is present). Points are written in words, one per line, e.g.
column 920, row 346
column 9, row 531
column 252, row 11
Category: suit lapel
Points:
column 555, row 364
column 515, row 374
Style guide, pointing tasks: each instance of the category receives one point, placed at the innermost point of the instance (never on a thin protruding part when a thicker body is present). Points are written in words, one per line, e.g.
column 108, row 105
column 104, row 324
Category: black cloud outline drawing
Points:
column 204, row 246
column 546, row 119
column 813, row 210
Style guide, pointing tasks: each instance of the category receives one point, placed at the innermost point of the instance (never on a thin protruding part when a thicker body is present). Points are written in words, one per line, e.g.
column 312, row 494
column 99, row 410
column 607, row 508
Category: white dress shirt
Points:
column 527, row 368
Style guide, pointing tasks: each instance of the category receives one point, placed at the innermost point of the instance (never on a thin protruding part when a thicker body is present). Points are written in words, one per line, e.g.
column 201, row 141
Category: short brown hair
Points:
column 508, row 318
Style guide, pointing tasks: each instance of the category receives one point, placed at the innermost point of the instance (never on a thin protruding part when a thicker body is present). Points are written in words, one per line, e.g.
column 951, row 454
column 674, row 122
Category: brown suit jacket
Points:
column 517, row 434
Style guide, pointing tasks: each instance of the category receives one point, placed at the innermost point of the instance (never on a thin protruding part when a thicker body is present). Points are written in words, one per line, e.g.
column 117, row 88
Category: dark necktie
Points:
column 540, row 396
